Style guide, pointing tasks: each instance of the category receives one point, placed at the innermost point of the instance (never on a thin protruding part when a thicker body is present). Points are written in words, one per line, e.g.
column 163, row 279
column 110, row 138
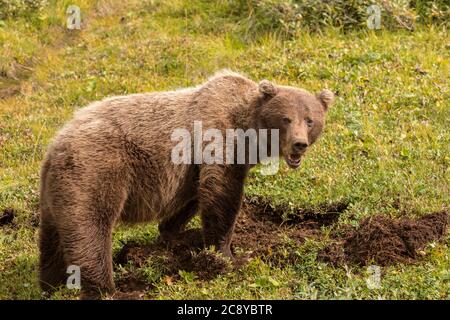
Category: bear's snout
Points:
column 299, row 145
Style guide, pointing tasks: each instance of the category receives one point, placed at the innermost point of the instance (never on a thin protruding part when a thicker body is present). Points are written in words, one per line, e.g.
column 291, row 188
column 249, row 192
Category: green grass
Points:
column 385, row 149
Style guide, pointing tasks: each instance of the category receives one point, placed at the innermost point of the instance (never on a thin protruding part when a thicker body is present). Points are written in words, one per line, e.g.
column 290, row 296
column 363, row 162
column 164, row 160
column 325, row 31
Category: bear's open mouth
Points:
column 293, row 160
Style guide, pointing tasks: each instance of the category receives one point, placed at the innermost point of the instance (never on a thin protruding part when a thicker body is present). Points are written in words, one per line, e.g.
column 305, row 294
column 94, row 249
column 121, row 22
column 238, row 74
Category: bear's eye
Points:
column 287, row 120
column 309, row 122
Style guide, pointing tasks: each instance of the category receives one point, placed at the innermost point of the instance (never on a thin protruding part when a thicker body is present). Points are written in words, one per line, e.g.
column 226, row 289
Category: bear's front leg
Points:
column 220, row 197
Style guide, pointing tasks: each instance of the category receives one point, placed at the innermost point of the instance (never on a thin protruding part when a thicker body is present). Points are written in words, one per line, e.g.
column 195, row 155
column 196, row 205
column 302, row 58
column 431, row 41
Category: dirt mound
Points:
column 261, row 230
column 312, row 218
column 207, row 265
column 7, row 216
column 273, row 232
column 270, row 232
column 185, row 253
column 131, row 287
column 385, row 241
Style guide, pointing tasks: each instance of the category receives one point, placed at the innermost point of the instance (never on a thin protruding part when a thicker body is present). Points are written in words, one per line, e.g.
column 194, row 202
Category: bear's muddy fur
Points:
column 112, row 162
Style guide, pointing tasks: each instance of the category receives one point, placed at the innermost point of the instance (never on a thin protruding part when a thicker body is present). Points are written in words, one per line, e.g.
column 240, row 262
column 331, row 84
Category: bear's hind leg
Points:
column 90, row 250
column 87, row 236
column 88, row 245
column 52, row 271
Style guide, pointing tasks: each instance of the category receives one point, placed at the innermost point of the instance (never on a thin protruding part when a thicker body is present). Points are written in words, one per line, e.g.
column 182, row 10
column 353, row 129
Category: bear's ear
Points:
column 326, row 98
column 267, row 88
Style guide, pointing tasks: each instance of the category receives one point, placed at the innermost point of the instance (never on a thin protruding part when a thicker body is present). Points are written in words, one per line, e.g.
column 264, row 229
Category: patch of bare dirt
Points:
column 261, row 230
column 272, row 233
column 7, row 216
column 323, row 215
column 185, row 253
column 131, row 287
column 385, row 241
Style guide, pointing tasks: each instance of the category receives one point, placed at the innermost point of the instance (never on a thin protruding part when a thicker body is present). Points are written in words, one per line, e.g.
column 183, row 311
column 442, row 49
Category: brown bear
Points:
column 112, row 163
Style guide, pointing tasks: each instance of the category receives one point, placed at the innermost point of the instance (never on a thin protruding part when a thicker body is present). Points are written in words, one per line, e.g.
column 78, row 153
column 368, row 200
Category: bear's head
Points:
column 297, row 114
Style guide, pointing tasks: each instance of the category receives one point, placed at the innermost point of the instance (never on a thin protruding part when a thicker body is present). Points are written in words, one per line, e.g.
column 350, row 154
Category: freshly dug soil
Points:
column 7, row 216
column 185, row 253
column 261, row 228
column 131, row 287
column 272, row 233
column 384, row 241
column 261, row 231
column 312, row 218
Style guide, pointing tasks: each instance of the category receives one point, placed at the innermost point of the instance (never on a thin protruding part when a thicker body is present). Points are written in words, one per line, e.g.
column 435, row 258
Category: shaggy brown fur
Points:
column 113, row 162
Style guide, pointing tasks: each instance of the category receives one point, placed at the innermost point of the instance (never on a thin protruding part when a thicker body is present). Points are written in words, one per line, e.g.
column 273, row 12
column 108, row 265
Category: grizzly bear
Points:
column 112, row 163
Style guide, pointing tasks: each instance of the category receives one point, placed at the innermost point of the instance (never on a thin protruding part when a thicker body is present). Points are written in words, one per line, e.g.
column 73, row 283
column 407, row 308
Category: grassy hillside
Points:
column 385, row 149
